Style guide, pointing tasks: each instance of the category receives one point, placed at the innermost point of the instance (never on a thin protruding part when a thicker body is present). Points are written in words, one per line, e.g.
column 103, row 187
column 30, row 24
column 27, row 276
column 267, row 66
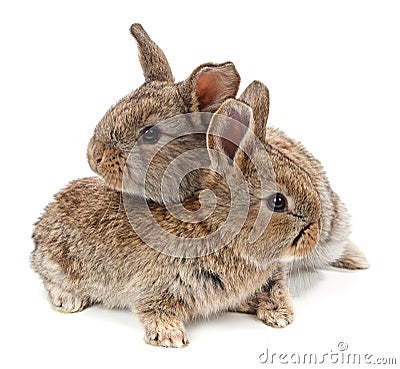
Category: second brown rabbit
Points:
column 159, row 98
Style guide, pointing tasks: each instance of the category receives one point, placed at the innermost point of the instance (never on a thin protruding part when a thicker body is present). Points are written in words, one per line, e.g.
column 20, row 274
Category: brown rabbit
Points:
column 87, row 251
column 135, row 118
column 157, row 99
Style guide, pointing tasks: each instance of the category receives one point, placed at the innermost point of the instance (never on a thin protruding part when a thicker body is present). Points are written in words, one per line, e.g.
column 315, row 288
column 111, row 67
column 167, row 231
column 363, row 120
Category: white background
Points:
column 332, row 68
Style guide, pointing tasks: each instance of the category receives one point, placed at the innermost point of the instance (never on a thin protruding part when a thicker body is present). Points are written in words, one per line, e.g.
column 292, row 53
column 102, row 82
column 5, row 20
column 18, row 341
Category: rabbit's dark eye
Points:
column 151, row 134
column 277, row 202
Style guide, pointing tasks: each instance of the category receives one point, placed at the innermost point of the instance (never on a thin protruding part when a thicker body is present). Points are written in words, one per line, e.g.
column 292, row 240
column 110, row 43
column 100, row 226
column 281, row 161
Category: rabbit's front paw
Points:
column 278, row 317
column 166, row 334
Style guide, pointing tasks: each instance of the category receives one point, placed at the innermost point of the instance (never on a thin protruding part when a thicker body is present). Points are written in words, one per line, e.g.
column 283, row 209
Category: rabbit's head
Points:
column 284, row 214
column 133, row 119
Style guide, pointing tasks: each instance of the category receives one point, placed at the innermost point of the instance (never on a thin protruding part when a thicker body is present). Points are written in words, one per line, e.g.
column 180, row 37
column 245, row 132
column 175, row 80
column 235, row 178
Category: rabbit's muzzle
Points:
column 308, row 220
column 95, row 154
column 307, row 239
column 106, row 161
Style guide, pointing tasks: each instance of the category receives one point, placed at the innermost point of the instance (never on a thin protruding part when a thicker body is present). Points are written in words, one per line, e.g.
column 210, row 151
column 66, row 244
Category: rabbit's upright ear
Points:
column 209, row 86
column 256, row 95
column 227, row 130
column 154, row 63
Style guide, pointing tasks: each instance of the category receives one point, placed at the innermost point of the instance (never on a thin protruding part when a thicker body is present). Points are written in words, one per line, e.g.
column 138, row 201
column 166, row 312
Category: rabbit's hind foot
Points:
column 65, row 301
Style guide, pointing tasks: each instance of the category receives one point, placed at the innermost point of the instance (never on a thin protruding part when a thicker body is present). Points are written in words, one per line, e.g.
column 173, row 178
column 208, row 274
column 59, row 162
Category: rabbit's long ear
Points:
column 209, row 86
column 154, row 63
column 227, row 130
column 256, row 95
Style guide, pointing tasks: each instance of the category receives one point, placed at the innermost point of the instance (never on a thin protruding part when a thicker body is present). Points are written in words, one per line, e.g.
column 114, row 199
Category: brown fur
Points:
column 271, row 303
column 334, row 247
column 158, row 99
column 333, row 244
column 352, row 258
column 87, row 252
column 207, row 87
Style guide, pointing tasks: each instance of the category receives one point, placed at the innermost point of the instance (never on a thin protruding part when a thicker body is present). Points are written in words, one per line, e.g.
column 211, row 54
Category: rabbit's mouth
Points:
column 306, row 241
column 107, row 162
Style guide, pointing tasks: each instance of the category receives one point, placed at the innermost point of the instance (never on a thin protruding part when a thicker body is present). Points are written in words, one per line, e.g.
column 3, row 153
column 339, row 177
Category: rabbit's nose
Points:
column 95, row 154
